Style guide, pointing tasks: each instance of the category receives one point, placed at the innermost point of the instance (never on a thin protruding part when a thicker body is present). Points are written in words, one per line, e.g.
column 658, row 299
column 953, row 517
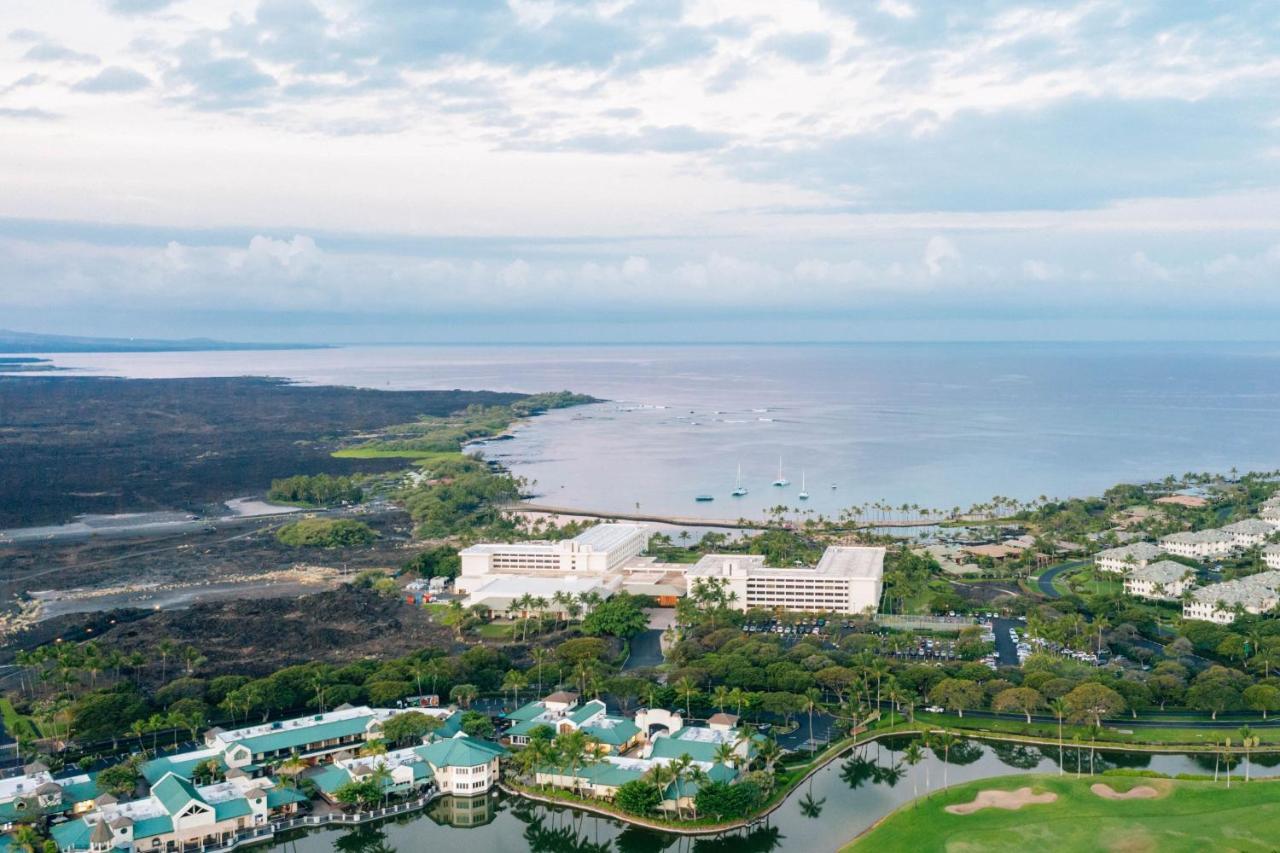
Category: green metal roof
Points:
column 296, row 738
column 77, row 792
column 586, row 712
column 175, row 792
column 689, row 788
column 150, row 826
column 72, row 834
column 451, row 726
column 330, row 778
column 232, row 809
column 670, row 747
column 621, row 731
column 153, row 771
column 278, row 796
column 526, row 726
column 601, row 773
column 461, row 751
column 526, row 712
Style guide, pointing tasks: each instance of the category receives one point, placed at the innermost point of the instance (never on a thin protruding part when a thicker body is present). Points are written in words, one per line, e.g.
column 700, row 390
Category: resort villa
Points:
column 179, row 816
column 1199, row 544
column 37, row 792
column 1221, row 602
column 459, row 765
column 1163, row 580
column 310, row 738
column 1127, row 557
column 561, row 712
column 1271, row 556
column 1250, row 532
column 704, row 746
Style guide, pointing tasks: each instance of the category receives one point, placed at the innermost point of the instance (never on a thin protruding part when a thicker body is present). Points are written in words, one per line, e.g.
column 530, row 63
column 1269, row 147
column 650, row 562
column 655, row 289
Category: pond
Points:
column 840, row 801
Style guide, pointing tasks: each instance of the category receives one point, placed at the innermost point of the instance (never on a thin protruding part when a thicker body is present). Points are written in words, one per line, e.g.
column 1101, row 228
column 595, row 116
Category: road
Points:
column 646, row 650
column 1045, row 581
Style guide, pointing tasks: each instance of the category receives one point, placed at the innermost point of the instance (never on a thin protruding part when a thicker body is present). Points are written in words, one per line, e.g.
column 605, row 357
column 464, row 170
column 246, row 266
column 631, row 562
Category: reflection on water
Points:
column 834, row 805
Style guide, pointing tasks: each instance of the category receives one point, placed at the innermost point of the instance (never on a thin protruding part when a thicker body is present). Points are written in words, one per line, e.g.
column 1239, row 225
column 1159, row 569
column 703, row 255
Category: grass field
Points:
column 1186, row 816
column 17, row 725
column 419, row 456
column 1117, row 734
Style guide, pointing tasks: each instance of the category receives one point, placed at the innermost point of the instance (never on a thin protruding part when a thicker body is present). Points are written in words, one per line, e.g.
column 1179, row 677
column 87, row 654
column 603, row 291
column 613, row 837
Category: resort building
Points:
column 1270, row 512
column 561, row 713
column 1164, row 580
column 599, row 550
column 1199, row 544
column 459, row 765
column 1222, row 602
column 1127, row 557
column 305, row 737
column 36, row 792
column 846, row 580
column 1250, row 532
column 179, row 816
column 1271, row 556
column 505, row 594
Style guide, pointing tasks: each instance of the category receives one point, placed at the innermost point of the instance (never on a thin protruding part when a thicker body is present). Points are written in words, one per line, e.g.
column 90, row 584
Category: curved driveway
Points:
column 1045, row 581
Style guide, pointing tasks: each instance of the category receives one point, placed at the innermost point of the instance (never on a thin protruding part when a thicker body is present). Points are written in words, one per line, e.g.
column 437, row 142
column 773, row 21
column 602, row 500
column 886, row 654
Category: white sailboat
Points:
column 804, row 493
column 739, row 490
column 781, row 481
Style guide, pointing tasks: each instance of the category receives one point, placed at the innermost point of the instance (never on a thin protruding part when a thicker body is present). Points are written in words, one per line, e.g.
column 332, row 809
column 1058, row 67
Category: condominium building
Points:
column 1271, row 556
column 1127, row 557
column 1199, row 544
column 305, row 737
column 846, row 580
column 597, row 551
column 1249, row 532
column 1164, row 580
column 1221, row 602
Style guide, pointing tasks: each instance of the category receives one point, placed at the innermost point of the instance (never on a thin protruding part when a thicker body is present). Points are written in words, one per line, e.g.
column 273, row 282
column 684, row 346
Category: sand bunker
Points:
column 1011, row 800
column 1141, row 792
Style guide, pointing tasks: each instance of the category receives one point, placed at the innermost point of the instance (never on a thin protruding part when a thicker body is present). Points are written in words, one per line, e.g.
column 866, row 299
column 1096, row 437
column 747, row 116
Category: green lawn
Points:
column 16, row 724
column 420, row 456
column 495, row 630
column 1118, row 733
column 1187, row 816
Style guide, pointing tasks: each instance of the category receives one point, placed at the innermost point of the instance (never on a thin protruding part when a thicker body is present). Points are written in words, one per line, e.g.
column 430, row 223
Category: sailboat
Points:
column 804, row 493
column 781, row 481
column 739, row 490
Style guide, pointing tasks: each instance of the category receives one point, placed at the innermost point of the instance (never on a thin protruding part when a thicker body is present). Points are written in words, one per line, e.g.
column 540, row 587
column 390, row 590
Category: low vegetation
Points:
column 326, row 533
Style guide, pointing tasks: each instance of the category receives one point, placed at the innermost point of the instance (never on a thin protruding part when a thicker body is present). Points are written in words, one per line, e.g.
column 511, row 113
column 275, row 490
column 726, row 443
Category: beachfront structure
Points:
column 1127, row 557
column 1250, row 532
column 1271, row 556
column 561, row 713
column 598, row 551
column 178, row 816
column 36, row 792
column 1199, row 544
column 460, row 765
column 1222, row 602
column 846, row 580
column 309, row 738
column 1164, row 580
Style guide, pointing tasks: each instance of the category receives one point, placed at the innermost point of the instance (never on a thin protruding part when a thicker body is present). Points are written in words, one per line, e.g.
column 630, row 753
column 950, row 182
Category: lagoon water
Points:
column 841, row 801
column 938, row 425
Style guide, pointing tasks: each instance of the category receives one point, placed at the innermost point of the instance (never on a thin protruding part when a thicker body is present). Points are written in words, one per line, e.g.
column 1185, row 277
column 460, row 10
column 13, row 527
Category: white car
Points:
column 935, row 709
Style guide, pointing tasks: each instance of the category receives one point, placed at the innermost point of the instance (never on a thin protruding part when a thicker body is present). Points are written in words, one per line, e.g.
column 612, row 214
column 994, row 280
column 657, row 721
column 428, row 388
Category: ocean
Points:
column 934, row 425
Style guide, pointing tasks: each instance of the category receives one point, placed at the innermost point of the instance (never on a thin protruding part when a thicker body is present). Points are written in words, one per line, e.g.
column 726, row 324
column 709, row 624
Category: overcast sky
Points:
column 404, row 170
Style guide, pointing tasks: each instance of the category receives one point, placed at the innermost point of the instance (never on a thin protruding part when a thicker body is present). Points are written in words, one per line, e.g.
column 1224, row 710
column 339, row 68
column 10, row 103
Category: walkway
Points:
column 1045, row 581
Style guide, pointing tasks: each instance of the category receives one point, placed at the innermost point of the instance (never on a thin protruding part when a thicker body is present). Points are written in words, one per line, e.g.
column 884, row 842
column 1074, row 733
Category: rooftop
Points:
column 1252, row 591
column 1196, row 537
column 1163, row 572
column 1135, row 551
column 1251, row 526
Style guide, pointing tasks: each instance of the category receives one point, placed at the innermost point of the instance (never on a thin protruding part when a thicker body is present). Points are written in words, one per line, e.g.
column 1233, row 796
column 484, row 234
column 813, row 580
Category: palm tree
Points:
column 726, row 754
column 913, row 755
column 381, row 777
column 947, row 740
column 661, row 776
column 812, row 699
column 514, row 681
column 1059, row 708
column 540, row 657
column 769, row 753
column 686, row 689
column 720, row 697
column 455, row 617
column 164, row 648
column 1248, row 740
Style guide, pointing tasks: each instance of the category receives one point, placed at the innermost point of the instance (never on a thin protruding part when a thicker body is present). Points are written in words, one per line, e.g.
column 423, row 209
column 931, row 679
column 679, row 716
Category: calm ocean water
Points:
column 931, row 424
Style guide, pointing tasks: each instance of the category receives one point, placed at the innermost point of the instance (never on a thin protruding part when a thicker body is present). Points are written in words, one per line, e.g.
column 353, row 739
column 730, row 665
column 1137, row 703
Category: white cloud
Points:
column 939, row 253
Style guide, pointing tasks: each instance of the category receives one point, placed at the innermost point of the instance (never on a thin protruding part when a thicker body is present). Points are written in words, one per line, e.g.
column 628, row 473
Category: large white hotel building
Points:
column 607, row 558
column 846, row 580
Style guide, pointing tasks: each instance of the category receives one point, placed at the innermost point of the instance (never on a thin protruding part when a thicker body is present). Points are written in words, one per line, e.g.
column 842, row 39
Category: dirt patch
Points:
column 1140, row 792
column 1010, row 800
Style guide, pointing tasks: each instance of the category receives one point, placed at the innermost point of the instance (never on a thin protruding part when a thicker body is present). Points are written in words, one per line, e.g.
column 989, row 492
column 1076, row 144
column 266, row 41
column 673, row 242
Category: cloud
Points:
column 940, row 252
column 31, row 113
column 23, row 82
column 212, row 82
column 138, row 7
column 48, row 51
column 674, row 139
column 804, row 48
column 113, row 79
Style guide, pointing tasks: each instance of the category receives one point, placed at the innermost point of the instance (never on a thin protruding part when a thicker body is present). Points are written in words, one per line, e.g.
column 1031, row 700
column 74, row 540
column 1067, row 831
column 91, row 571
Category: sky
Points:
column 667, row 170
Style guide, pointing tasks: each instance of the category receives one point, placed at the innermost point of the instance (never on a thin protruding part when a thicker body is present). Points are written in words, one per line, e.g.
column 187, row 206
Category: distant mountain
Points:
column 11, row 341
